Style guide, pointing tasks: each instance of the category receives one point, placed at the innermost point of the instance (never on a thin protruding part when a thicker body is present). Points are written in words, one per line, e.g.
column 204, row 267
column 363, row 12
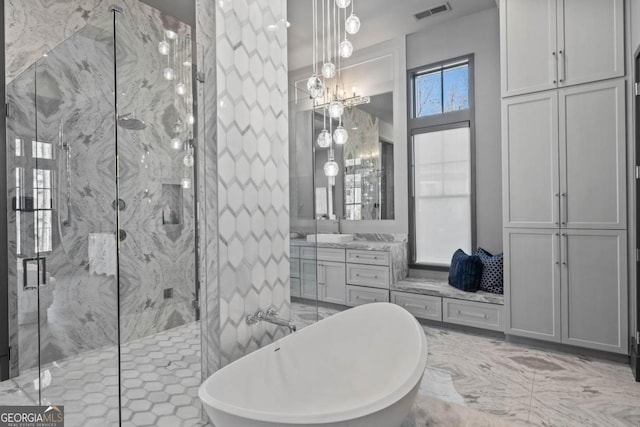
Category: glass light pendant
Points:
column 181, row 89
column 324, row 139
column 185, row 182
column 190, row 119
column 315, row 87
column 169, row 73
column 346, row 48
column 331, row 168
column 343, row 3
column 163, row 47
column 352, row 24
column 188, row 160
column 328, row 70
column 340, row 135
column 171, row 35
column 336, row 108
column 176, row 143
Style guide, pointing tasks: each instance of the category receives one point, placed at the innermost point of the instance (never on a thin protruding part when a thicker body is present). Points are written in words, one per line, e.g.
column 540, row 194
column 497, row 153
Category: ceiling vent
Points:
column 445, row 7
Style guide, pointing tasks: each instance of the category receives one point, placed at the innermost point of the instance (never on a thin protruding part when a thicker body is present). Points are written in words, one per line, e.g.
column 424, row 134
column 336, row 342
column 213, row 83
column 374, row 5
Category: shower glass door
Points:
column 62, row 243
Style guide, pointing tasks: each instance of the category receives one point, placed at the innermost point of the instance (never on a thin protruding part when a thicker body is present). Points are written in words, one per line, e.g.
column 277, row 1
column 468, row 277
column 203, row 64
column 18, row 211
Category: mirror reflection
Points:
column 363, row 188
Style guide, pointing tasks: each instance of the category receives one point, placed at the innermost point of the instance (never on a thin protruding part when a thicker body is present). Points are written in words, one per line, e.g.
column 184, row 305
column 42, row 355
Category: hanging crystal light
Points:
column 352, row 24
column 315, row 87
column 164, row 48
column 188, row 160
column 346, row 48
column 176, row 143
column 169, row 74
column 324, row 139
column 171, row 35
column 340, row 135
column 331, row 168
column 185, row 182
column 329, row 70
column 336, row 108
column 343, row 3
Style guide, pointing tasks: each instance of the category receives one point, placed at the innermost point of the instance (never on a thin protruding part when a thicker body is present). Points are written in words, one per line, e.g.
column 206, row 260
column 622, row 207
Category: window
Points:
column 441, row 162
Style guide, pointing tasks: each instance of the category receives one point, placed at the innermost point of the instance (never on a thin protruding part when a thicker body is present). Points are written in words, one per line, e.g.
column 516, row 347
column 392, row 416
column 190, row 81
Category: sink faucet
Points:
column 270, row 316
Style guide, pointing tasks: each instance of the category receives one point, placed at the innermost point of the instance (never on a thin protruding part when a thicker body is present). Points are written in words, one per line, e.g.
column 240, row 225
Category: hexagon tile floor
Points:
column 160, row 380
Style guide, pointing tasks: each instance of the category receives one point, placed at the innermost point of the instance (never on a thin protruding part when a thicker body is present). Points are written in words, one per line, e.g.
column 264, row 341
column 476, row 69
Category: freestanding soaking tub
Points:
column 358, row 368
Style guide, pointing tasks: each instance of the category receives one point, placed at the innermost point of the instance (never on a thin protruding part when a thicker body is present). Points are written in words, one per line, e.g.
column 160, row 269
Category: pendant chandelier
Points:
column 332, row 31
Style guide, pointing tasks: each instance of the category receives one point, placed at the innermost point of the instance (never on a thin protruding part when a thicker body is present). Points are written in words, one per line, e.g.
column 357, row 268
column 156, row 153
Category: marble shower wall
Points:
column 253, row 171
column 75, row 93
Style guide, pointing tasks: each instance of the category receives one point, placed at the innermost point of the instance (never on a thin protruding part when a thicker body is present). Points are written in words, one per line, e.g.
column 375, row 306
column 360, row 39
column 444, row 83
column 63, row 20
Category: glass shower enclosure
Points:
column 101, row 224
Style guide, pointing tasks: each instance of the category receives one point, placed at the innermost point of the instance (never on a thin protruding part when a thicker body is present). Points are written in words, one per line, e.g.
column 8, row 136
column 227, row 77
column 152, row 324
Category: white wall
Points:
column 478, row 34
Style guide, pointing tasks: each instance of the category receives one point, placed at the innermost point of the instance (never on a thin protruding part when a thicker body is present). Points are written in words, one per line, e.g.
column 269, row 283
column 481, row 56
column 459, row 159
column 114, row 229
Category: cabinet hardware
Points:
column 555, row 63
column 469, row 314
column 557, row 235
column 565, row 210
column 564, row 66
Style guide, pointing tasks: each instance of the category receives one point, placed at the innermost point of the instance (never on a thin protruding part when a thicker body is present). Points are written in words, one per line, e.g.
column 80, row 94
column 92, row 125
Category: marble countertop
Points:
column 356, row 244
column 441, row 288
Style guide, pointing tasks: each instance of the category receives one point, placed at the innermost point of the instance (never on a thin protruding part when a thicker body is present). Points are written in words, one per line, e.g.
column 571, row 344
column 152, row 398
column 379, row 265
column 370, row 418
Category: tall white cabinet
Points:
column 547, row 44
column 564, row 171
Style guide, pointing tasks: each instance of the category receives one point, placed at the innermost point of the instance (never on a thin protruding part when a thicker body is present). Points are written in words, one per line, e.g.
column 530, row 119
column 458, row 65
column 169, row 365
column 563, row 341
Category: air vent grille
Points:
column 433, row 11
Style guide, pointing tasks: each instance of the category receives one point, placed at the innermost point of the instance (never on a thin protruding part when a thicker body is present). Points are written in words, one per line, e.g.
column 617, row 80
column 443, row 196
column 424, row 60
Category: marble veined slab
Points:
column 356, row 244
column 441, row 288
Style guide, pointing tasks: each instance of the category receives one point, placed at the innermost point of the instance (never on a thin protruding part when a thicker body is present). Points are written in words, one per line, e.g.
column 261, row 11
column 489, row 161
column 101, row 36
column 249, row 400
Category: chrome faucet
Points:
column 270, row 316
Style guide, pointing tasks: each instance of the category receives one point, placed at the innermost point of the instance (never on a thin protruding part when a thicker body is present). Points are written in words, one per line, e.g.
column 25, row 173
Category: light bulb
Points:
column 171, row 35
column 163, row 48
column 181, row 89
column 340, row 135
column 343, row 3
column 336, row 108
column 331, row 168
column 190, row 119
column 352, row 24
column 328, row 70
column 169, row 74
column 324, row 139
column 176, row 143
column 346, row 48
column 186, row 183
column 188, row 160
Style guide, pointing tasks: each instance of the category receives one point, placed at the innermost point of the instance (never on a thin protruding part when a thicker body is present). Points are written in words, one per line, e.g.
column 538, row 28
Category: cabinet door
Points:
column 592, row 156
column 530, row 160
column 532, row 283
column 332, row 282
column 594, row 289
column 527, row 46
column 590, row 40
column 308, row 282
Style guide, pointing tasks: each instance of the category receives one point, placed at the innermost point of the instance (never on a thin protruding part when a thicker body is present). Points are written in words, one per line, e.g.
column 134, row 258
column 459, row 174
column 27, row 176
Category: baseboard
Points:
column 634, row 360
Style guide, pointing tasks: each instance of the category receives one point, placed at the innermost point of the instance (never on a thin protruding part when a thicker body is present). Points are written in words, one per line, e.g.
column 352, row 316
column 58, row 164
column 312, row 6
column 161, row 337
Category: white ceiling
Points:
column 382, row 20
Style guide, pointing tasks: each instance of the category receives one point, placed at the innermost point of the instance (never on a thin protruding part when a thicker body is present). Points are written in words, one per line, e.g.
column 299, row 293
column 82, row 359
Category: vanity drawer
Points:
column 329, row 254
column 422, row 306
column 294, row 251
column 295, row 267
column 368, row 275
column 471, row 313
column 308, row 252
column 368, row 257
column 295, row 287
column 358, row 295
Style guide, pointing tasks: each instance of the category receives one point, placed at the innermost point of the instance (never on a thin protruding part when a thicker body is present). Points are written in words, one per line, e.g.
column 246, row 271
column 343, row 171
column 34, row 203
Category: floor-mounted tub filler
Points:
column 358, row 368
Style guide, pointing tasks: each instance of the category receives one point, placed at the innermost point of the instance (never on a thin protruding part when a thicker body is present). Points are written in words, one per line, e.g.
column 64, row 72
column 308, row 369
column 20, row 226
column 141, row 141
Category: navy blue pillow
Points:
column 465, row 272
column 492, row 266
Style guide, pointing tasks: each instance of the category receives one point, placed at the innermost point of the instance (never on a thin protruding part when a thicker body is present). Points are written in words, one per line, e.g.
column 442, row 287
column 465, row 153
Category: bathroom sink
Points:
column 330, row 238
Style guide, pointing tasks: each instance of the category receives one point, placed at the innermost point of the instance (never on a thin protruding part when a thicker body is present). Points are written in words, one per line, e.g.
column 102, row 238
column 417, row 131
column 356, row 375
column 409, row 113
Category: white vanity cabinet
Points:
column 547, row 44
column 368, row 276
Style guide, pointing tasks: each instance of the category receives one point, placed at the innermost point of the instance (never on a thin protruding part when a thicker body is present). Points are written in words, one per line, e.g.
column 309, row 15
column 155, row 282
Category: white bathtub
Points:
column 358, row 368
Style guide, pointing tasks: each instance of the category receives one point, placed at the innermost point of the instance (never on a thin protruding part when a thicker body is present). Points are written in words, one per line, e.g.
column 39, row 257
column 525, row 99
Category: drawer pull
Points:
column 419, row 307
column 367, row 299
column 375, row 276
column 466, row 313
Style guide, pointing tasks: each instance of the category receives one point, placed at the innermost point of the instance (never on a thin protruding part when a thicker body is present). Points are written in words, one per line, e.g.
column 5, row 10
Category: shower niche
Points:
column 171, row 203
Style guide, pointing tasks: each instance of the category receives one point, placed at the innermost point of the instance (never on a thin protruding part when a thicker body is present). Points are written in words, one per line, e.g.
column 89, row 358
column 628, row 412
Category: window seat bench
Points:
column 437, row 300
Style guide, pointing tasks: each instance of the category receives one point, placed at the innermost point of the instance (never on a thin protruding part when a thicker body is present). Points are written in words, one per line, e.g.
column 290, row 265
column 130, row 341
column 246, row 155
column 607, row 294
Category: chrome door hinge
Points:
column 636, row 88
column 637, row 337
column 637, row 255
column 7, row 110
column 637, row 171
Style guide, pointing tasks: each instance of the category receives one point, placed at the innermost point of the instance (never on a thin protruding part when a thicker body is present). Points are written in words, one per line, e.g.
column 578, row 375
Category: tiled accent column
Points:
column 253, row 170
